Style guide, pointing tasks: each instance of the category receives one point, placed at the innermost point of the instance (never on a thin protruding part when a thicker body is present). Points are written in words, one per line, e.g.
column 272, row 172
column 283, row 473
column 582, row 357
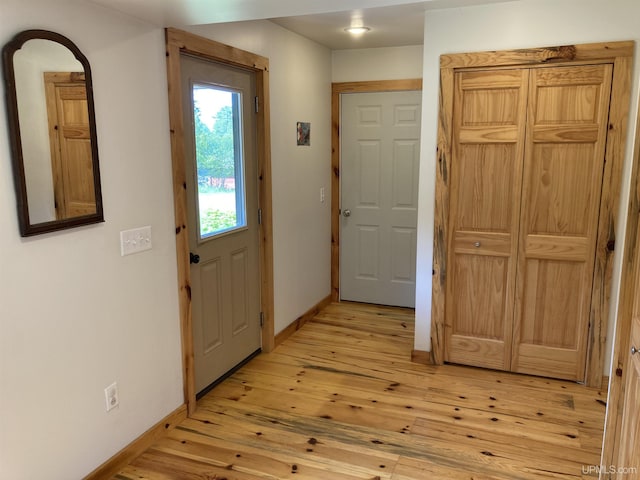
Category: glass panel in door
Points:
column 219, row 161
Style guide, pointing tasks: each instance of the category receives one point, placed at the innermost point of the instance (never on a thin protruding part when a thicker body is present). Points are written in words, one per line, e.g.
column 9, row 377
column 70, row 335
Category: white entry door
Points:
column 380, row 154
column 221, row 171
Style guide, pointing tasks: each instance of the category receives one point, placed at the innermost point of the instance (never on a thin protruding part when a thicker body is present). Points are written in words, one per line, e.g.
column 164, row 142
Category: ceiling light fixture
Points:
column 357, row 30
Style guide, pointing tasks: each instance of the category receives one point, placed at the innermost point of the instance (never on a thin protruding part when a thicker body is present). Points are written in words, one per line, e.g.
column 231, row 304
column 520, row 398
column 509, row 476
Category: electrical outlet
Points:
column 135, row 240
column 111, row 396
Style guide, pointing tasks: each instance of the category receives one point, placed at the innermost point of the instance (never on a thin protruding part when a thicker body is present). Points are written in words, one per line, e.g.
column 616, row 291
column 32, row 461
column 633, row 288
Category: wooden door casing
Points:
column 620, row 55
column 337, row 90
column 628, row 456
column 225, row 282
column 177, row 43
column 527, row 167
column 629, row 450
column 629, row 283
column 527, row 158
column 380, row 154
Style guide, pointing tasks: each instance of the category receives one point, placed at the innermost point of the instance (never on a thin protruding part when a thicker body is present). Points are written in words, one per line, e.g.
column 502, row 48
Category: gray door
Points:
column 380, row 152
column 221, row 168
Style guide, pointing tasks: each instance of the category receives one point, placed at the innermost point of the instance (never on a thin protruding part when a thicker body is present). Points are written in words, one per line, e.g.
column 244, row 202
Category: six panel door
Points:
column 568, row 110
column 489, row 123
column 380, row 142
column 71, row 158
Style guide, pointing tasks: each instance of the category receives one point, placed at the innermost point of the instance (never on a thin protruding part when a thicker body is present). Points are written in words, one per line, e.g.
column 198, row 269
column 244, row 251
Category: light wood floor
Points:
column 341, row 400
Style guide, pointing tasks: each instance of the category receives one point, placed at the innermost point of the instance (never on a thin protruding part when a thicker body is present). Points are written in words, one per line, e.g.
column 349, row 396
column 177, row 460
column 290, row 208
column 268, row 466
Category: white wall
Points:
column 523, row 24
column 75, row 315
column 367, row 64
column 300, row 77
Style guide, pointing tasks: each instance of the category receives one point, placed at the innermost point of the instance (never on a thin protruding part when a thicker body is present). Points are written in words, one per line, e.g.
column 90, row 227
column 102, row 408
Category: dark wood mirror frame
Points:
column 26, row 227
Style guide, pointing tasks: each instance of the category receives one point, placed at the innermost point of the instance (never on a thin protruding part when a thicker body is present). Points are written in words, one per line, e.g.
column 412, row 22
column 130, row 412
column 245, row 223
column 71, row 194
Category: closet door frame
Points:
column 620, row 55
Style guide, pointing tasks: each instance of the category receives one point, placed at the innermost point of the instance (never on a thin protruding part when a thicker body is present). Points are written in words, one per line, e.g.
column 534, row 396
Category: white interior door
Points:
column 380, row 154
column 221, row 171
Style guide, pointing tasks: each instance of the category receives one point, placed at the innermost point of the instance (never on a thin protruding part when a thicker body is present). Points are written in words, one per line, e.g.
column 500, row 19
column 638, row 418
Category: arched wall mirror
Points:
column 52, row 133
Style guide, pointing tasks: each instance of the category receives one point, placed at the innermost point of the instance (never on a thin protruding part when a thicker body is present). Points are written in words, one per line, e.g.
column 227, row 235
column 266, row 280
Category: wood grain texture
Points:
column 341, row 399
column 139, row 445
column 608, row 221
column 629, row 454
column 539, row 56
column 176, row 129
column 561, row 197
column 335, row 193
column 265, row 203
column 619, row 54
column 338, row 89
column 178, row 42
column 441, row 214
column 629, row 284
column 70, row 144
column 484, row 209
column 205, row 48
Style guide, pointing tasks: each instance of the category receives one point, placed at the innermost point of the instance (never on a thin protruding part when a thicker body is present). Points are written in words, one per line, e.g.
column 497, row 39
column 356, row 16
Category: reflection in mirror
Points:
column 50, row 106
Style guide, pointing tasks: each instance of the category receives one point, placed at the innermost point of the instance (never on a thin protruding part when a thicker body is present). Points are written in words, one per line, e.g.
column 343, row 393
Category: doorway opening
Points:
column 181, row 43
column 337, row 214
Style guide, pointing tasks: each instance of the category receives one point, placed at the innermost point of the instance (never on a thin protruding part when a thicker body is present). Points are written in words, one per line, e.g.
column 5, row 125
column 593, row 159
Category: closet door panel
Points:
column 564, row 160
column 486, row 186
column 489, row 117
column 479, row 310
column 564, row 181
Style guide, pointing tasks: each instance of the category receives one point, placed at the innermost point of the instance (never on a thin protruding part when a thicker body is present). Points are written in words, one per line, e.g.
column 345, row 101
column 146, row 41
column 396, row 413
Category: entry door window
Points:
column 221, row 201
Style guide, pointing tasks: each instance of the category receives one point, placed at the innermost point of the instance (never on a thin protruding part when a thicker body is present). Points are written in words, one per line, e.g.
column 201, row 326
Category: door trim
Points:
column 620, row 54
column 336, row 90
column 178, row 42
column 629, row 283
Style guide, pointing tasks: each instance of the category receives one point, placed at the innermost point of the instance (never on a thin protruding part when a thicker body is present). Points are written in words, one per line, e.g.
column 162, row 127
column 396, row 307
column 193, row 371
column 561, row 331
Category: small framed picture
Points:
column 304, row 133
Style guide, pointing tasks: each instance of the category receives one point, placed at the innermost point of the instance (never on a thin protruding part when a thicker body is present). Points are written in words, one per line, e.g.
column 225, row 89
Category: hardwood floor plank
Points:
column 501, row 444
column 340, row 399
column 311, row 449
column 445, row 454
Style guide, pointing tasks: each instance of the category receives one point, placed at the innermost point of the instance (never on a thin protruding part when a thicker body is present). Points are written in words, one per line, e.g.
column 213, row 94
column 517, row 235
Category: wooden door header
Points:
column 539, row 56
column 212, row 50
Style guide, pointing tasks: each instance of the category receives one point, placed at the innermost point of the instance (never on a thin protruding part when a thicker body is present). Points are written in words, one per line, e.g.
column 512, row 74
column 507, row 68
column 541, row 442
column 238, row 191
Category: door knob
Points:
column 634, row 350
column 194, row 257
column 477, row 244
column 347, row 213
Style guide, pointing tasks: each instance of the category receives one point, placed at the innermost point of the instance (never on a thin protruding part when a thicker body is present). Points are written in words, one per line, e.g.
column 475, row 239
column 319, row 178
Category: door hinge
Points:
column 259, row 216
column 261, row 319
column 257, row 103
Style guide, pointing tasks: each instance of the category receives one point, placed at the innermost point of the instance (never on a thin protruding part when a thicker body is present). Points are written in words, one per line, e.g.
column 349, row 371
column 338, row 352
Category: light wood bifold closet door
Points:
column 527, row 164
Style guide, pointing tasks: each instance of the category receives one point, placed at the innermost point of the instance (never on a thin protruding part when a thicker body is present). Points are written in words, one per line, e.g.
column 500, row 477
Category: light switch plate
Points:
column 135, row 240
